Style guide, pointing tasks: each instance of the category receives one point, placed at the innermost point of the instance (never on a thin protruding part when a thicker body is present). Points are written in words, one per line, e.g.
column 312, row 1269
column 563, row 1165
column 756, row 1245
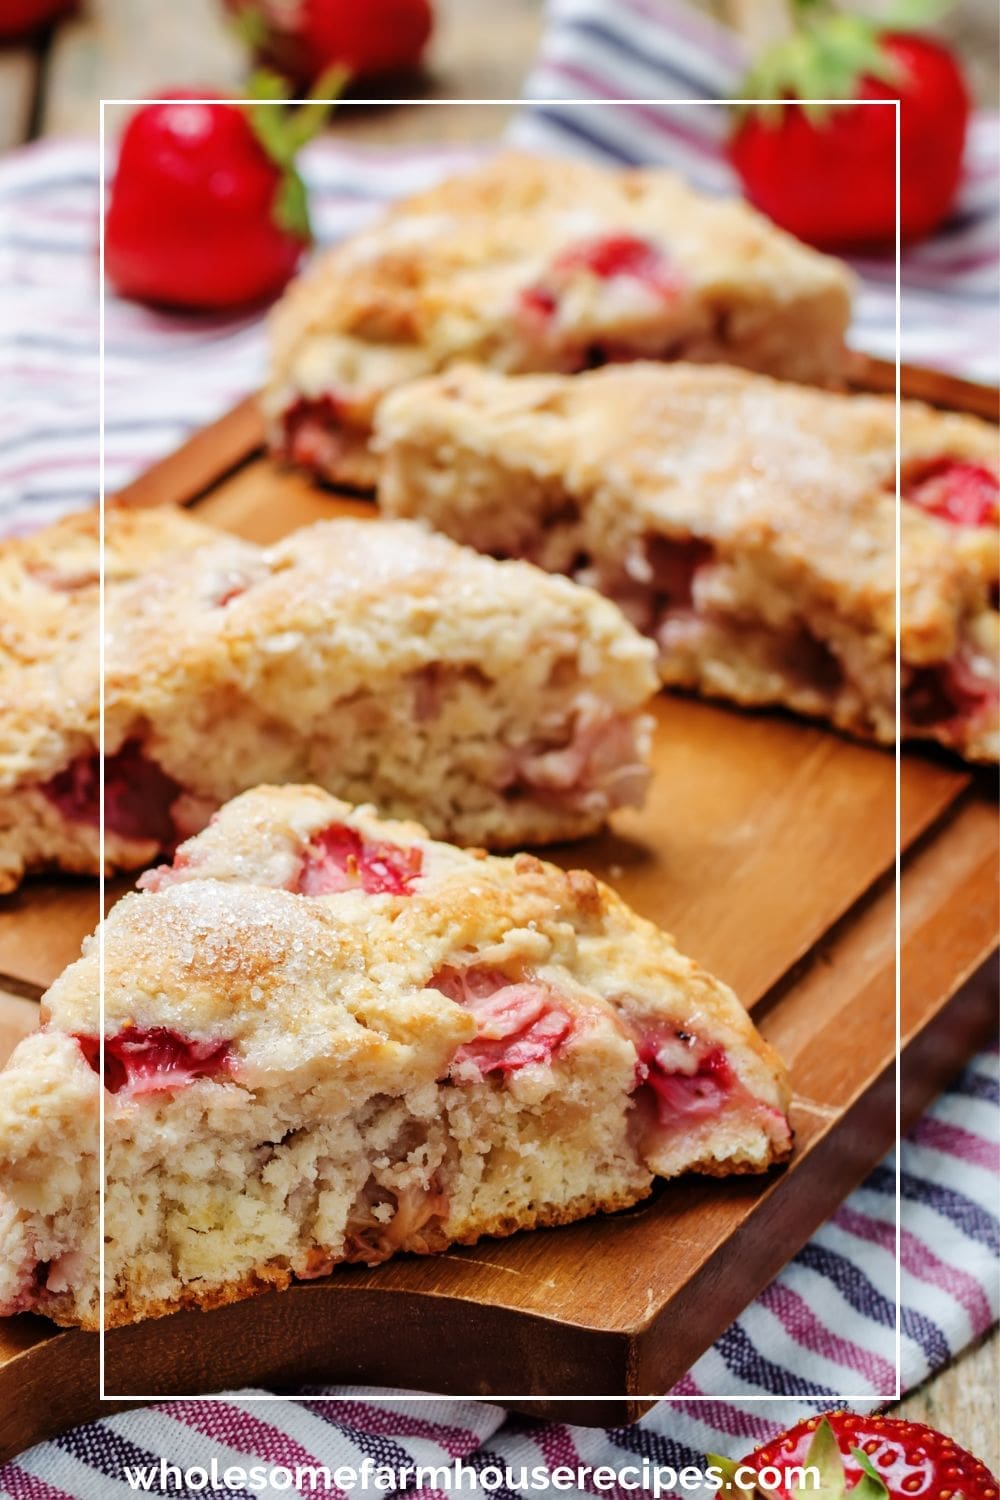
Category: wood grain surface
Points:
column 130, row 49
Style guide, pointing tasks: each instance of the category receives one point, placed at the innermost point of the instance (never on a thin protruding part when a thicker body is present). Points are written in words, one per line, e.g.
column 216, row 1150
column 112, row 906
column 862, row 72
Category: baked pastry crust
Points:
column 49, row 579
column 748, row 526
column 533, row 264
column 328, row 1038
column 376, row 658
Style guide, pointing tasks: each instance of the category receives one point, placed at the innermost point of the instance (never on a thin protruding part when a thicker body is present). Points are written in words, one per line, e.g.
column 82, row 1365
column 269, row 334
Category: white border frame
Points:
column 737, row 1400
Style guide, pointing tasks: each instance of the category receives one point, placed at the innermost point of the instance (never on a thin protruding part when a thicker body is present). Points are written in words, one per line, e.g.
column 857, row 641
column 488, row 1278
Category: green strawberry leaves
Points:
column 250, row 27
column 871, row 1486
column 283, row 130
column 729, row 1469
column 823, row 1455
column 826, row 55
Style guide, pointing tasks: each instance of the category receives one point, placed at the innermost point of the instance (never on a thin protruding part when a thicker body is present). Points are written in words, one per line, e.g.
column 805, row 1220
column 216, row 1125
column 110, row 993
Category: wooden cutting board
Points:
column 768, row 848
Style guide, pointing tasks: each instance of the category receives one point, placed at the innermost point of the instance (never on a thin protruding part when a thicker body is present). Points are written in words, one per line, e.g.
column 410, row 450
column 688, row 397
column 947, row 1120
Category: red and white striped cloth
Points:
column 827, row 1325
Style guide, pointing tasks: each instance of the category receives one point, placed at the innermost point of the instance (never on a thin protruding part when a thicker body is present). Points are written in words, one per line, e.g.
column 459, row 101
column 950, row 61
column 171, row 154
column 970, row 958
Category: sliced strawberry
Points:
column 519, row 1022
column 339, row 859
column 138, row 795
column 146, row 1061
column 965, row 494
column 872, row 1455
column 680, row 1094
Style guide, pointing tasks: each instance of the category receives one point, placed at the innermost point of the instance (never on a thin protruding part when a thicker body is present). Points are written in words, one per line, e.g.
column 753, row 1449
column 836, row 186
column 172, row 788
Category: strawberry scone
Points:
column 49, row 579
column 375, row 658
column 328, row 1038
column 747, row 526
column 533, row 264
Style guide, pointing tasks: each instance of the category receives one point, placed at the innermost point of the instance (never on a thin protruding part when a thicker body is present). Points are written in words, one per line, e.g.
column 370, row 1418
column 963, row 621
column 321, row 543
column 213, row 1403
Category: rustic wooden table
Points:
column 131, row 48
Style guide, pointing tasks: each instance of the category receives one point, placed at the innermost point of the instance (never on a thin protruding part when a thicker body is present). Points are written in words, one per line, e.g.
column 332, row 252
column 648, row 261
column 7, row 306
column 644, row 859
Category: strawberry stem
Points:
column 827, row 54
column 283, row 130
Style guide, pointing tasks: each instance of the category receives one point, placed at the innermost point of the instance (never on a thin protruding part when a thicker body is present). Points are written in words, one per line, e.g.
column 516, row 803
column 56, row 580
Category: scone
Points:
column 377, row 659
column 531, row 264
column 329, row 1039
column 747, row 526
column 49, row 579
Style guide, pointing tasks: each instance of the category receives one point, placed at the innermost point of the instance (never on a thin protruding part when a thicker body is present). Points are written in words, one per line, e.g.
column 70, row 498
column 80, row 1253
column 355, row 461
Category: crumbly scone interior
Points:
column 219, row 1191
column 330, row 1039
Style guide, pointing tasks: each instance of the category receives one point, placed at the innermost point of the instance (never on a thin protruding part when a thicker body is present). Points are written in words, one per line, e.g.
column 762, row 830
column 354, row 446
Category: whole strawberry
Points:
column 302, row 38
column 207, row 209
column 827, row 172
column 19, row 18
column 865, row 1458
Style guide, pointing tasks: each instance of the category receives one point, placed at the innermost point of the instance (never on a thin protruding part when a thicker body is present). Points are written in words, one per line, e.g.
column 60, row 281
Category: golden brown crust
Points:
column 49, row 579
column 122, row 1310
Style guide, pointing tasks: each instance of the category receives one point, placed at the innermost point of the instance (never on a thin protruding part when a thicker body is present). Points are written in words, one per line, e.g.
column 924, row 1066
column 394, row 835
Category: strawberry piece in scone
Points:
column 441, row 1046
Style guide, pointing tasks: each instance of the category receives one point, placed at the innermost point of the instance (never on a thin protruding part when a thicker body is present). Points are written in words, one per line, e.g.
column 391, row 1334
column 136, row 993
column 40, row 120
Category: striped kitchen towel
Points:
column 825, row 1329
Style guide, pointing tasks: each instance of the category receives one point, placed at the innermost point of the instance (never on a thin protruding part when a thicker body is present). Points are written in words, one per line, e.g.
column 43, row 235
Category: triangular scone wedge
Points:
column 747, row 525
column 330, row 1039
column 377, row 659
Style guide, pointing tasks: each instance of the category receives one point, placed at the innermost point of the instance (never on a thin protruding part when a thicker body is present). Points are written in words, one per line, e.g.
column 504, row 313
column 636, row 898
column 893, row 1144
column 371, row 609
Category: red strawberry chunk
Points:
column 674, row 563
column 519, row 1022
column 607, row 257
column 963, row 493
column 686, row 1095
column 313, row 434
column 339, row 859
column 948, row 692
column 147, row 1061
column 621, row 255
column 138, row 795
column 538, row 303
